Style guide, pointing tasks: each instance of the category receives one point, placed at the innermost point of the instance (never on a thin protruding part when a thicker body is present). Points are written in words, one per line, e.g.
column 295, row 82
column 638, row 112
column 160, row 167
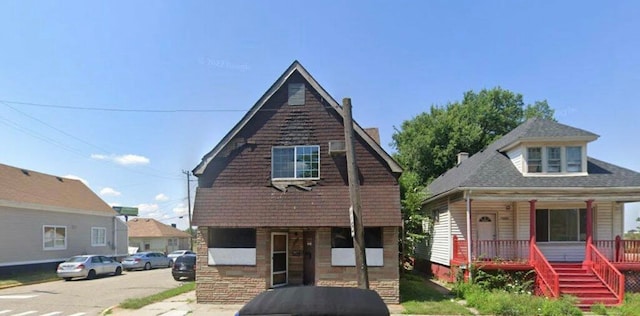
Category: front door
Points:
column 486, row 227
column 309, row 274
column 279, row 254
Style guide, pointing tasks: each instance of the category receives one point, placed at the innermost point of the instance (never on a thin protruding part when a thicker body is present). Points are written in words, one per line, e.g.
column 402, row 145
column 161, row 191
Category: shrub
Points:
column 562, row 306
column 599, row 309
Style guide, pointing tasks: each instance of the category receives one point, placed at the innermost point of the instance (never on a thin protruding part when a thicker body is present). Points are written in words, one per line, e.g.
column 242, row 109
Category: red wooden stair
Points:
column 583, row 284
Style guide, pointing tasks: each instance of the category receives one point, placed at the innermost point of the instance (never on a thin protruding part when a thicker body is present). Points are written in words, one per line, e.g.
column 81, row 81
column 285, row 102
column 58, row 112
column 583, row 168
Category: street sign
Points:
column 127, row 211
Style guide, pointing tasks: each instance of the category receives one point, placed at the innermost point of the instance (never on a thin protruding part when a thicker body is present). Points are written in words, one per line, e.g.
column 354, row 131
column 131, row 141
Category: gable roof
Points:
column 26, row 188
column 492, row 168
column 295, row 67
column 149, row 227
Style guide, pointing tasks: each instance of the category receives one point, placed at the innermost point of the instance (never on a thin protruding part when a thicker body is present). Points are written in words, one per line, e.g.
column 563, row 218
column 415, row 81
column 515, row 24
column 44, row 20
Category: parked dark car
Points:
column 316, row 300
column 184, row 267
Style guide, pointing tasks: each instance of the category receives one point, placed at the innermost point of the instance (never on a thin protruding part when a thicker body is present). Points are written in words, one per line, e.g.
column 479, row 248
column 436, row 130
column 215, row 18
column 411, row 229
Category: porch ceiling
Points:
column 555, row 194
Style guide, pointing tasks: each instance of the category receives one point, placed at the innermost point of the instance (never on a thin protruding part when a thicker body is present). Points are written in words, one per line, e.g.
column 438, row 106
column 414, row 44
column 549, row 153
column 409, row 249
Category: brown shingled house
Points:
column 147, row 234
column 273, row 199
column 45, row 219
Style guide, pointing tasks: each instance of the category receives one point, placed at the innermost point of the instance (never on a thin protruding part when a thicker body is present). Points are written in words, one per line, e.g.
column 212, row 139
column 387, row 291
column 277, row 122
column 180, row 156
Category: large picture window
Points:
column 98, row 236
column 561, row 225
column 232, row 246
column 298, row 162
column 54, row 237
column 341, row 237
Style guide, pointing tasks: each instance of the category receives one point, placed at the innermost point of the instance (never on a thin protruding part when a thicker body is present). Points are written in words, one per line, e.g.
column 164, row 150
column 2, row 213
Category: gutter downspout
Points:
column 469, row 236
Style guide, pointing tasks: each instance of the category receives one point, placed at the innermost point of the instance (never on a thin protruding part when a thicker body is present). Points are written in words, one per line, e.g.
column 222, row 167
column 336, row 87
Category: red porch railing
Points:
column 619, row 250
column 504, row 251
column 606, row 272
column 547, row 279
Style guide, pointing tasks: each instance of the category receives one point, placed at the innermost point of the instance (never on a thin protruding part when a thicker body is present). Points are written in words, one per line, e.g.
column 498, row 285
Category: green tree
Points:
column 428, row 143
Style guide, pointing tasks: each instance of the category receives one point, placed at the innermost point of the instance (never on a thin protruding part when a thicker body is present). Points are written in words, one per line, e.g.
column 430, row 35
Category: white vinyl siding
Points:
column 515, row 156
column 441, row 247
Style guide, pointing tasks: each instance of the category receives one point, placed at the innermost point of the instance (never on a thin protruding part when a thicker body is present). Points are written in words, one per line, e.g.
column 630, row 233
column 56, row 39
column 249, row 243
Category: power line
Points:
column 112, row 109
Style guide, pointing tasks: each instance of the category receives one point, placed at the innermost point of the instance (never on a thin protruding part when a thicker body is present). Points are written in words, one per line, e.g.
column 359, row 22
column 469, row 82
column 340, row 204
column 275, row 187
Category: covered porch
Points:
column 546, row 236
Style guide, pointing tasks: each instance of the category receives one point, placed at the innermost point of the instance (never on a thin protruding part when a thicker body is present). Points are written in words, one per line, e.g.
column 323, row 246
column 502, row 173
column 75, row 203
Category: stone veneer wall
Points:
column 231, row 284
column 384, row 280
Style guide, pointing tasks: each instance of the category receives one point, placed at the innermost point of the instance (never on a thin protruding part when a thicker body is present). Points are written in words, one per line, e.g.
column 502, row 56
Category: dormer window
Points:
column 554, row 159
column 574, row 159
column 534, row 159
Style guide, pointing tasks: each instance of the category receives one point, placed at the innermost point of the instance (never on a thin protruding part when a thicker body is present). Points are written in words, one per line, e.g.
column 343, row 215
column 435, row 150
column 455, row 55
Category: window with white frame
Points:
column 561, row 225
column 534, row 159
column 574, row 159
column 54, row 237
column 554, row 159
column 98, row 236
column 295, row 162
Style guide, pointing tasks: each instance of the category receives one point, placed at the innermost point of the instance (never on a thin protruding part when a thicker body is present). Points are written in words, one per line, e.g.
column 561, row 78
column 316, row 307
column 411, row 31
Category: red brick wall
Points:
column 384, row 280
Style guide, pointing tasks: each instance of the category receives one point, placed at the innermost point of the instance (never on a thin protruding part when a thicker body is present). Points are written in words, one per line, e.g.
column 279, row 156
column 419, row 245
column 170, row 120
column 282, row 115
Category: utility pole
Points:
column 355, row 212
column 189, row 207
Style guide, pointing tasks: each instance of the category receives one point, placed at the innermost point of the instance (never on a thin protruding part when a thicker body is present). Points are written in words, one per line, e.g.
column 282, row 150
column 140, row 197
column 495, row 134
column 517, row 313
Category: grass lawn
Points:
column 24, row 278
column 136, row 303
column 417, row 297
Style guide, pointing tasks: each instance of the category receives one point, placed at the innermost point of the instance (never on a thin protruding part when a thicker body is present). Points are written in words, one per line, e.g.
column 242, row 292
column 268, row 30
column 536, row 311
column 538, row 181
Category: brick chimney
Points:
column 374, row 133
column 462, row 156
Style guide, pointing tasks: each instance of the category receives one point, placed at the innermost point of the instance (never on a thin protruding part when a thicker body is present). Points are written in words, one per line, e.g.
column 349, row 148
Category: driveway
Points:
column 83, row 297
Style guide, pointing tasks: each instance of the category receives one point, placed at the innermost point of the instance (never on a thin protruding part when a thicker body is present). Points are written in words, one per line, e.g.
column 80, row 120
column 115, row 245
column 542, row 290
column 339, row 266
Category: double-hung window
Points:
column 534, row 159
column 574, row 159
column 295, row 162
column 554, row 160
column 98, row 236
column 54, row 237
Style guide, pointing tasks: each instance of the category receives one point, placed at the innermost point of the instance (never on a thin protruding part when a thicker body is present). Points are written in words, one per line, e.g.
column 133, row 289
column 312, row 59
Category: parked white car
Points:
column 88, row 266
column 175, row 254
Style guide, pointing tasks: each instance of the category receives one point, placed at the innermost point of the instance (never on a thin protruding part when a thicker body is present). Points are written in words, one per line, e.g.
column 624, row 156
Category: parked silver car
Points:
column 146, row 260
column 88, row 266
column 175, row 254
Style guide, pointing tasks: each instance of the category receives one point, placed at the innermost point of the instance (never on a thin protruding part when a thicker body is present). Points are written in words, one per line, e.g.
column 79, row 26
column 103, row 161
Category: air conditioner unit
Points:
column 337, row 147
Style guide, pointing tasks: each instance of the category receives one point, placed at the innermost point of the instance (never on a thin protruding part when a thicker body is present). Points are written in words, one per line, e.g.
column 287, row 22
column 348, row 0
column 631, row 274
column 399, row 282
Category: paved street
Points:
column 82, row 297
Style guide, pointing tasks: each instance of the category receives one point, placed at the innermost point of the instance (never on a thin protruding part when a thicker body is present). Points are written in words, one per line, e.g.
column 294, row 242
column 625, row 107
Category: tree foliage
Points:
column 428, row 144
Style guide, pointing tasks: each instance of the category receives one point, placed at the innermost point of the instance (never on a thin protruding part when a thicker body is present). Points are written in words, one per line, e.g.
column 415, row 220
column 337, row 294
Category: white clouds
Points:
column 149, row 210
column 161, row 197
column 70, row 176
column 109, row 192
column 124, row 160
column 180, row 210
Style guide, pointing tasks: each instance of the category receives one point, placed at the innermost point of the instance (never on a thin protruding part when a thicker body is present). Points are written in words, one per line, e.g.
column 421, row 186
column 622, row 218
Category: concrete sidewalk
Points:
column 184, row 304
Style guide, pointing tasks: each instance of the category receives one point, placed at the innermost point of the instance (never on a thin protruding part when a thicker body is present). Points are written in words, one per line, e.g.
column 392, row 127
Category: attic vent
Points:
column 59, row 179
column 296, row 94
column 26, row 172
column 337, row 147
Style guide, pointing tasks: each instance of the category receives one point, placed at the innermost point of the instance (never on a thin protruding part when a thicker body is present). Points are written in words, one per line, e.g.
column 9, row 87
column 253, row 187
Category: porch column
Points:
column 589, row 233
column 469, row 251
column 532, row 227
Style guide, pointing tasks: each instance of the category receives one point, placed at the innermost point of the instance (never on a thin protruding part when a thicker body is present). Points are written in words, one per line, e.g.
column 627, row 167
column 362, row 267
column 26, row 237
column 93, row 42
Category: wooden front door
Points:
column 309, row 268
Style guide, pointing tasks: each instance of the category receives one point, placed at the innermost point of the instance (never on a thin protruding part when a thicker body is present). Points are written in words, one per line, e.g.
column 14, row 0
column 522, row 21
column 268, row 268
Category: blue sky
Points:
column 394, row 59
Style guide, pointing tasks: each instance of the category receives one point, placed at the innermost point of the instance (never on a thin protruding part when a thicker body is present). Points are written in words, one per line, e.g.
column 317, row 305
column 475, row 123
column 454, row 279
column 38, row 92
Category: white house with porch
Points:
column 534, row 199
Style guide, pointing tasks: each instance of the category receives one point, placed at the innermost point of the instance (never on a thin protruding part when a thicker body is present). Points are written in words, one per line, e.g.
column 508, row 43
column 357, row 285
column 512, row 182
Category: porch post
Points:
column 532, row 227
column 589, row 233
column 469, row 251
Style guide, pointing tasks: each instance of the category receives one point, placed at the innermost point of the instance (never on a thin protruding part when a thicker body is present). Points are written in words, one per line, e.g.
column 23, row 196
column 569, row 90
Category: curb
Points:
column 108, row 310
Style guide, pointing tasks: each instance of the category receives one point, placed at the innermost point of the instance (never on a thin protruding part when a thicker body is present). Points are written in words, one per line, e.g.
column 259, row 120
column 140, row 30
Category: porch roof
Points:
column 269, row 207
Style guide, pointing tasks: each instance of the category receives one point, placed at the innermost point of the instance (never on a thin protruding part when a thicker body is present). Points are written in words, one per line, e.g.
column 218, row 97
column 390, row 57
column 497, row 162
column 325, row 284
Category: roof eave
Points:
column 519, row 141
